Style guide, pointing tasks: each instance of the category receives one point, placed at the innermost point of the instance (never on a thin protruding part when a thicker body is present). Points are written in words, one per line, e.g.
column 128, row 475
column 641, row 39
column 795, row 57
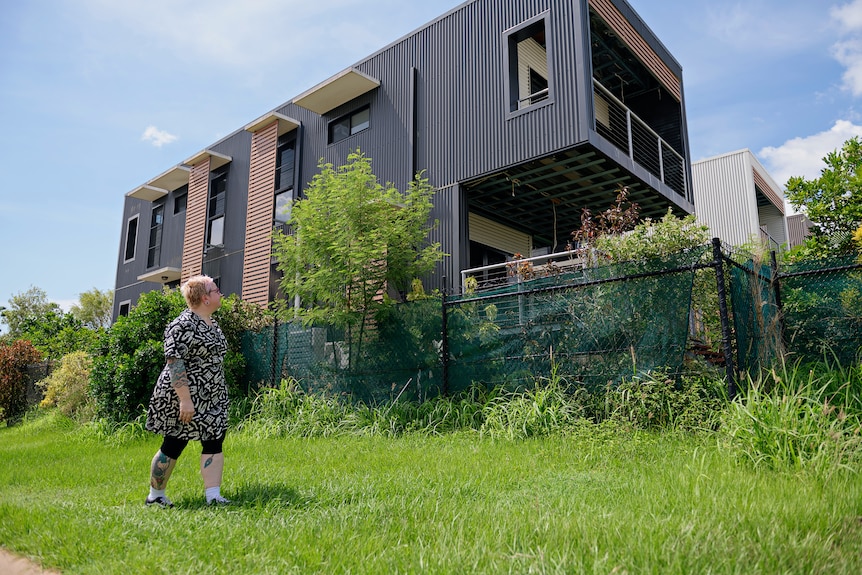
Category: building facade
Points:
column 521, row 113
column 737, row 198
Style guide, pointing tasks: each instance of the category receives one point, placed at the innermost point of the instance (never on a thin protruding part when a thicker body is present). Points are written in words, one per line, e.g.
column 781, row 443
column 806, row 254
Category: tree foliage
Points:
column 654, row 238
column 355, row 244
column 25, row 308
column 94, row 308
column 833, row 202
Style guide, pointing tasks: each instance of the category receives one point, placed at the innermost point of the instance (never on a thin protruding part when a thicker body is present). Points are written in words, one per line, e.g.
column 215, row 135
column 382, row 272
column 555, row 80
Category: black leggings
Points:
column 173, row 446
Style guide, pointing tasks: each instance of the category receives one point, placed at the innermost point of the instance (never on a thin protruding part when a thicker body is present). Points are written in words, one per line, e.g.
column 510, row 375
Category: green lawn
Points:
column 598, row 501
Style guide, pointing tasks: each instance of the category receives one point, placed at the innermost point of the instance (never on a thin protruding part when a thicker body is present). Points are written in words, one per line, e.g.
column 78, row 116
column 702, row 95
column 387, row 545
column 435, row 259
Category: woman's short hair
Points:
column 195, row 289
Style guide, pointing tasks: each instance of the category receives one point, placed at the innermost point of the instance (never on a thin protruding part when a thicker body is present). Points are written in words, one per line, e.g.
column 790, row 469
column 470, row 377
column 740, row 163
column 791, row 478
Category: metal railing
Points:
column 625, row 130
column 517, row 270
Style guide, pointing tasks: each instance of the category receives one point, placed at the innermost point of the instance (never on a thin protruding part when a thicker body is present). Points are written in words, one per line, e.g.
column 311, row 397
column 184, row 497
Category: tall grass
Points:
column 550, row 406
column 799, row 417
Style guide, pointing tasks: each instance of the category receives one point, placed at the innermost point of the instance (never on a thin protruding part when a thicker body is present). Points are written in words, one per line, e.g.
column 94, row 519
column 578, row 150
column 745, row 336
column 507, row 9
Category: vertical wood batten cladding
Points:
column 196, row 220
column 627, row 33
column 259, row 216
column 768, row 191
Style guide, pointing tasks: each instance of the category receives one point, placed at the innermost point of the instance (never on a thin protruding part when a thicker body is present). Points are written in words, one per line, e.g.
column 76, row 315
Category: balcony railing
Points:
column 643, row 145
column 515, row 271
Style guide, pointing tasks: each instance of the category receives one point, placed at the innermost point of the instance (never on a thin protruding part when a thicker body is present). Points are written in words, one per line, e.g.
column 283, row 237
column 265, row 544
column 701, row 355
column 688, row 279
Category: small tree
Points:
column 355, row 244
column 25, row 308
column 833, row 202
column 94, row 308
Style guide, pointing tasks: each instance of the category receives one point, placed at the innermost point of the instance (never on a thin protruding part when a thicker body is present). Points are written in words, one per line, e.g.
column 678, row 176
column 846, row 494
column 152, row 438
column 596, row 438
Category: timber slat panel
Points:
column 259, row 215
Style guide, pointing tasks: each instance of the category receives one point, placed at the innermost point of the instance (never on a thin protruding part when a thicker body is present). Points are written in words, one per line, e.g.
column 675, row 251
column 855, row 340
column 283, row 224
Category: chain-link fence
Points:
column 595, row 326
column 806, row 311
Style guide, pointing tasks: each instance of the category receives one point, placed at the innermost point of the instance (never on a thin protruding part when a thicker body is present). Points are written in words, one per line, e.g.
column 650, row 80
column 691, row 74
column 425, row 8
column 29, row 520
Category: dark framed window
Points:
column 181, row 199
column 131, row 238
column 349, row 124
column 216, row 209
column 157, row 222
column 125, row 307
column 283, row 205
column 285, row 162
column 528, row 63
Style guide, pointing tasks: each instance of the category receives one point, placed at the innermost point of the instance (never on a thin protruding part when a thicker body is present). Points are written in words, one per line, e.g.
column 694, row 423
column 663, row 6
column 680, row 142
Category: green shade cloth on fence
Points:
column 595, row 326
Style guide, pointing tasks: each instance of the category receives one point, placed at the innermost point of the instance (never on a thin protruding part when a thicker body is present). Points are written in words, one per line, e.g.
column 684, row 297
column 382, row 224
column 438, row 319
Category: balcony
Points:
column 515, row 271
column 624, row 129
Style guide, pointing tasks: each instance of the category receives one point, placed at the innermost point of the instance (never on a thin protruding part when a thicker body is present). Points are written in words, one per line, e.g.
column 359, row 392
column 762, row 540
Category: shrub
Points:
column 130, row 356
column 14, row 360
column 67, row 386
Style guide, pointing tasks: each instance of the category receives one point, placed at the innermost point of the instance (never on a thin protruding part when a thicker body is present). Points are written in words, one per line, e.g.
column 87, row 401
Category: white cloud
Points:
column 157, row 137
column 848, row 50
column 804, row 156
column 849, row 16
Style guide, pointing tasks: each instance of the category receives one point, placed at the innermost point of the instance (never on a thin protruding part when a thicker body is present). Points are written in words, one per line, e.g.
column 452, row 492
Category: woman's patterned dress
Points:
column 202, row 348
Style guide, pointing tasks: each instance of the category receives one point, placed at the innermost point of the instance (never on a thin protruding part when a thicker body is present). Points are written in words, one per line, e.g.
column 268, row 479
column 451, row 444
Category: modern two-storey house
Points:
column 520, row 112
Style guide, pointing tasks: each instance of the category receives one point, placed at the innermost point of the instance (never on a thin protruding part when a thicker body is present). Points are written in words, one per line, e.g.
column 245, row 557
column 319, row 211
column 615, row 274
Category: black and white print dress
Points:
column 202, row 348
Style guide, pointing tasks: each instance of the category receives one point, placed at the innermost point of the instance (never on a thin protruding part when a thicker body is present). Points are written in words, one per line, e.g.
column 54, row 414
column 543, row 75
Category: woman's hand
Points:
column 187, row 410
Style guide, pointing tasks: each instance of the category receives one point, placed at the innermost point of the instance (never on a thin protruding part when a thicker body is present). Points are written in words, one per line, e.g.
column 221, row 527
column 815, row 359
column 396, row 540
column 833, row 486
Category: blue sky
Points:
column 99, row 96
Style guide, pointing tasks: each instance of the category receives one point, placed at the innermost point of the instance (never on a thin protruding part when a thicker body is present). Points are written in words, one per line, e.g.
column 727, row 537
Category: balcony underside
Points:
column 546, row 197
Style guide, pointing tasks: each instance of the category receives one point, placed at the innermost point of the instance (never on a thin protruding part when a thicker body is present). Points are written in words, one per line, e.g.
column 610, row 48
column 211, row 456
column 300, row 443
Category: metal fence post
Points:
column 718, row 263
column 273, row 368
column 776, row 286
column 444, row 346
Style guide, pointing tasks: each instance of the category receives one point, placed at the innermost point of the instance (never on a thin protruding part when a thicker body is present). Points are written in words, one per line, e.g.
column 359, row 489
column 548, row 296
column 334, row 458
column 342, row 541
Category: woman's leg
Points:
column 160, row 471
column 212, row 466
column 161, row 467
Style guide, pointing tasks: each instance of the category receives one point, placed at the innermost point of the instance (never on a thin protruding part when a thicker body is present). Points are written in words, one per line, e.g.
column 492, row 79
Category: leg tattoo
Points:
column 161, row 463
column 208, row 461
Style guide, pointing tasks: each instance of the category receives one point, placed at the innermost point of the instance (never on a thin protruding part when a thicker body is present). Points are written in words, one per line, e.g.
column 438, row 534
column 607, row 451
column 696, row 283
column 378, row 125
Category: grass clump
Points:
column 800, row 417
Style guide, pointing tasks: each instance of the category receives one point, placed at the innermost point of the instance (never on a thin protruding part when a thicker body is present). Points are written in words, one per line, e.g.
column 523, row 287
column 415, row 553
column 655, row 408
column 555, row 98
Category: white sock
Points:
column 156, row 493
column 212, row 492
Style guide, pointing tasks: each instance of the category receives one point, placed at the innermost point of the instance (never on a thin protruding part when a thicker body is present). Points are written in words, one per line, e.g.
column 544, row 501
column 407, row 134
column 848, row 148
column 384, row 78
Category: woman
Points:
column 189, row 402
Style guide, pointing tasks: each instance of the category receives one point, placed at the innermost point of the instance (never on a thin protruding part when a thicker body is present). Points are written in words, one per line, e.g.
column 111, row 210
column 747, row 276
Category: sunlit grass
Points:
column 598, row 499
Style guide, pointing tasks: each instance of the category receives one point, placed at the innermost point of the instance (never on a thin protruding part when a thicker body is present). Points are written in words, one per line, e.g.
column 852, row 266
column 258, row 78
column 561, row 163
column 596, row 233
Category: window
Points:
column 131, row 238
column 283, row 203
column 181, row 199
column 156, row 225
column 350, row 124
column 215, row 210
column 527, row 62
column 125, row 307
column 284, row 162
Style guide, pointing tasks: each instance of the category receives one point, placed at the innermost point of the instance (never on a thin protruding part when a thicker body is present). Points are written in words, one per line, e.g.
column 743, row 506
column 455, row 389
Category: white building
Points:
column 739, row 201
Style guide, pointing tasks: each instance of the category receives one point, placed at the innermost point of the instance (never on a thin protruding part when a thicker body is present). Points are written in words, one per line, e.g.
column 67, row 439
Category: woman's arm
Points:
column 180, row 382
